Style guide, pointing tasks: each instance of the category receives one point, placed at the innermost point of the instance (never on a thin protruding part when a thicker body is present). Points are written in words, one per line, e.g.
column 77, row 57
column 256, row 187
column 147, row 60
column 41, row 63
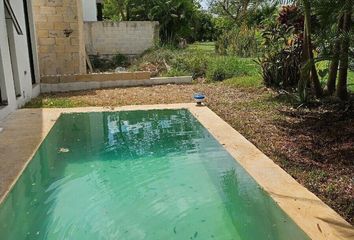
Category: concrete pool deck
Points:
column 23, row 131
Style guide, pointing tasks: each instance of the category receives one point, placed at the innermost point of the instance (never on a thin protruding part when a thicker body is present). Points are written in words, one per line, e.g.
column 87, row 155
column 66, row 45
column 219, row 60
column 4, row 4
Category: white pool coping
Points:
column 24, row 131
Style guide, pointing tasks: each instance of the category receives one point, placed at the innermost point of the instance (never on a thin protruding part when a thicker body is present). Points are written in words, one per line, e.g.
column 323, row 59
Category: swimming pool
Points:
column 154, row 174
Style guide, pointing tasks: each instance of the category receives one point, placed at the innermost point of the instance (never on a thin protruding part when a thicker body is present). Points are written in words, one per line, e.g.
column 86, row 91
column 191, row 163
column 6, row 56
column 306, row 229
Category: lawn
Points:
column 200, row 61
column 313, row 143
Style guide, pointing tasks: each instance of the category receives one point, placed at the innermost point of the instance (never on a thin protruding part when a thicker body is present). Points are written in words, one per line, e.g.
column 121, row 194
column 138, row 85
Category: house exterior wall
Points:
column 59, row 27
column 128, row 38
column 15, row 66
column 89, row 10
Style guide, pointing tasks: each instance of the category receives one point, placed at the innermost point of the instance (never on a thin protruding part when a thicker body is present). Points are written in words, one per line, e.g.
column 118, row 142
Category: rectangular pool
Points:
column 133, row 175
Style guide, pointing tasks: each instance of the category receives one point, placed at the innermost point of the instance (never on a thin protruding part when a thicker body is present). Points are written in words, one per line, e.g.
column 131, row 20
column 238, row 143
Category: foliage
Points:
column 178, row 18
column 240, row 35
column 261, row 14
column 237, row 10
column 241, row 41
column 115, row 10
column 225, row 68
column 312, row 25
column 290, row 17
column 203, row 27
column 246, row 81
column 198, row 60
column 120, row 60
column 196, row 64
column 282, row 43
column 174, row 16
column 282, row 69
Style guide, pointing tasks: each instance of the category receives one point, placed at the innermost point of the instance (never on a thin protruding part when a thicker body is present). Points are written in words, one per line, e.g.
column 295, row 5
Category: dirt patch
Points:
column 315, row 145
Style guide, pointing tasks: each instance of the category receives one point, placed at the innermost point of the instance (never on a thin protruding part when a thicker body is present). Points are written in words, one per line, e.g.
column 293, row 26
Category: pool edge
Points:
column 316, row 219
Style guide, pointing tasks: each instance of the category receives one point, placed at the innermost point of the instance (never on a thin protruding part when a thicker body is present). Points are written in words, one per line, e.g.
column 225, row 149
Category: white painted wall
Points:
column 89, row 10
column 21, row 56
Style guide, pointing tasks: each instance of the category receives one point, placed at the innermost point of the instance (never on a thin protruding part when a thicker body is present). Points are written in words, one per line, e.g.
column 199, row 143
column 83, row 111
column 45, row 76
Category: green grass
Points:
column 207, row 47
column 325, row 64
column 201, row 60
column 351, row 81
column 245, row 81
column 54, row 102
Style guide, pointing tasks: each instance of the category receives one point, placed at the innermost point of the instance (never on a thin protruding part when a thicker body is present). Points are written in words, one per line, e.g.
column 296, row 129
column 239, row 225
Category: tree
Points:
column 333, row 69
column 176, row 17
column 237, row 10
column 342, row 91
column 323, row 15
column 115, row 10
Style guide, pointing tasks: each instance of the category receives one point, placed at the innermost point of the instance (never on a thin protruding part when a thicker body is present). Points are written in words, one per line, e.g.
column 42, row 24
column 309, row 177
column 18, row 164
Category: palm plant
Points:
column 342, row 91
column 330, row 12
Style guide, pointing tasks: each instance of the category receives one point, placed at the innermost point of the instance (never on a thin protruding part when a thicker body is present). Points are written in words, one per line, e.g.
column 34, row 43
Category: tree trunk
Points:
column 333, row 69
column 305, row 61
column 342, row 91
column 314, row 76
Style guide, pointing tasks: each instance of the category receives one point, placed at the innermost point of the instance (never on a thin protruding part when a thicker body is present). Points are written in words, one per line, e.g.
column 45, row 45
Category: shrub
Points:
column 240, row 41
column 196, row 63
column 282, row 41
column 175, row 72
column 120, row 60
column 156, row 60
column 281, row 69
column 222, row 68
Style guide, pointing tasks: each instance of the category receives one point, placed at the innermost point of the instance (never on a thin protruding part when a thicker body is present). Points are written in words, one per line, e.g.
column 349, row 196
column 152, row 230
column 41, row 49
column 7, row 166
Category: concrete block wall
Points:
column 128, row 38
column 61, row 45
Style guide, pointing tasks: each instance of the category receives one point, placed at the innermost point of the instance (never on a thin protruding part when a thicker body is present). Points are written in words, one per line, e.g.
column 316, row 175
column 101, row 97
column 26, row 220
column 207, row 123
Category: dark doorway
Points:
column 29, row 41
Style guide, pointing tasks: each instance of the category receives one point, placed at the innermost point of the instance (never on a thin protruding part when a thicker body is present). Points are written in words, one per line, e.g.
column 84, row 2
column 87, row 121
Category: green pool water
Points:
column 153, row 175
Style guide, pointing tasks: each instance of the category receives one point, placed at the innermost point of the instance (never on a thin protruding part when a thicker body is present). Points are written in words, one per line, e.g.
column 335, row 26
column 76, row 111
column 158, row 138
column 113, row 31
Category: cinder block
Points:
column 46, row 41
column 44, row 25
column 52, row 79
column 61, row 26
column 42, row 33
column 60, row 10
column 55, row 3
column 71, row 49
column 47, row 10
column 62, row 41
column 55, row 33
column 55, row 18
column 74, row 41
column 67, row 78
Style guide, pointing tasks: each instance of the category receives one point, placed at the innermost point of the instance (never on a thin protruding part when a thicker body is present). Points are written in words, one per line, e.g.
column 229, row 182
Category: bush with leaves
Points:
column 282, row 41
column 196, row 63
column 240, row 41
column 224, row 67
column 282, row 69
column 178, row 18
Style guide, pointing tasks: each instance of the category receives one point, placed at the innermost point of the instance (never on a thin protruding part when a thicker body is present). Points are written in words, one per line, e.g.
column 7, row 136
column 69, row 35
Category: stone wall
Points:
column 59, row 27
column 128, row 38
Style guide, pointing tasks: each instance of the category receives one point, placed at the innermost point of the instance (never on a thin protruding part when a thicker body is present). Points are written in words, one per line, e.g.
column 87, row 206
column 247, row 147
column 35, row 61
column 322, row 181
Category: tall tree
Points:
column 176, row 17
column 333, row 69
column 237, row 10
column 306, row 55
column 116, row 10
column 342, row 91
